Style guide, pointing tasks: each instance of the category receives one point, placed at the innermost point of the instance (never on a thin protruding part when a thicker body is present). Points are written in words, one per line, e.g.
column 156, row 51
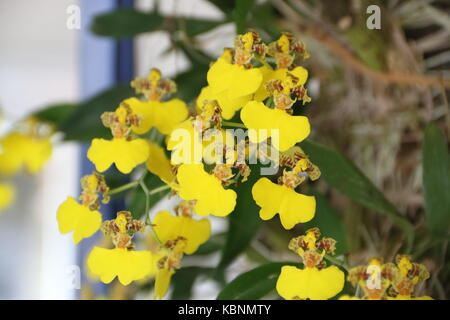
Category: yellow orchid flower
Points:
column 234, row 80
column 188, row 146
column 315, row 281
column 228, row 106
column 73, row 216
column 310, row 283
column 7, row 195
column 162, row 282
column 127, row 265
column 125, row 154
column 279, row 74
column 168, row 227
column 291, row 129
column 196, row 184
column 159, row 164
column 20, row 150
column 164, row 116
column 292, row 207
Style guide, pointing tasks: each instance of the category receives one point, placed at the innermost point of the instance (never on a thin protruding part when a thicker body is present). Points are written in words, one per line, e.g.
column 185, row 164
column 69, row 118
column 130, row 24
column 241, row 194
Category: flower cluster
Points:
column 265, row 84
column 388, row 281
column 28, row 146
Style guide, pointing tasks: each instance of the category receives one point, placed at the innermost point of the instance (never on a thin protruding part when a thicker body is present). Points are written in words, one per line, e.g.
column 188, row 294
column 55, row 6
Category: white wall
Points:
column 38, row 66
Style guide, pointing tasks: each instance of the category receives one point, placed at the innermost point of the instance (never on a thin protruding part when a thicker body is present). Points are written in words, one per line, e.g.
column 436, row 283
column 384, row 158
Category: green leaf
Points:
column 254, row 284
column 183, row 281
column 264, row 17
column 226, row 6
column 189, row 83
column 343, row 175
column 215, row 243
column 329, row 223
column 55, row 114
column 137, row 197
column 193, row 27
column 436, row 180
column 84, row 123
column 240, row 14
column 244, row 222
column 124, row 23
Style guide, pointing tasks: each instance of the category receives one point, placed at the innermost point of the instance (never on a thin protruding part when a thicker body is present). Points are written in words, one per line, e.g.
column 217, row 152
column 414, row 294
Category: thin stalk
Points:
column 124, row 187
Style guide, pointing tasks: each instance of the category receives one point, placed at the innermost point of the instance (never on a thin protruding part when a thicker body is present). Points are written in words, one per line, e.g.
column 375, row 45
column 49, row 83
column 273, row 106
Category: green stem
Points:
column 124, row 187
column 233, row 124
column 159, row 189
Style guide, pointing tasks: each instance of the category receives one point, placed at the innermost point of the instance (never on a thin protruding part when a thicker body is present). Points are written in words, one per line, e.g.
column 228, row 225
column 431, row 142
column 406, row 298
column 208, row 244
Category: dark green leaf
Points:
column 226, row 6
column 124, row 23
column 215, row 243
column 193, row 27
column 329, row 223
column 244, row 221
column 436, row 180
column 184, row 279
column 55, row 114
column 137, row 197
column 254, row 284
column 189, row 83
column 84, row 123
column 340, row 173
column 264, row 17
column 241, row 13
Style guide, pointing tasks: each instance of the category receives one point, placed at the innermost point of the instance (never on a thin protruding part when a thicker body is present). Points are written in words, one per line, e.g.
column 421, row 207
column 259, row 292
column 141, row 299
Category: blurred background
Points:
column 374, row 92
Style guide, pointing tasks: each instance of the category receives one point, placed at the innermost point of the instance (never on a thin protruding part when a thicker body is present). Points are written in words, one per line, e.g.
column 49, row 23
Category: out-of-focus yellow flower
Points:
column 211, row 198
column 7, row 195
column 234, row 80
column 127, row 265
column 159, row 164
column 162, row 282
column 228, row 106
column 310, row 283
column 279, row 74
column 20, row 150
column 291, row 129
column 292, row 207
column 165, row 116
column 73, row 216
column 125, row 154
column 315, row 281
column 195, row 233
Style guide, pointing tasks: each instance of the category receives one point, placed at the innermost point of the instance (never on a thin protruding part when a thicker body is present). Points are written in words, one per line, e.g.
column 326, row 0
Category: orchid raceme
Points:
column 206, row 189
column 211, row 154
column 315, row 281
column 171, row 228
